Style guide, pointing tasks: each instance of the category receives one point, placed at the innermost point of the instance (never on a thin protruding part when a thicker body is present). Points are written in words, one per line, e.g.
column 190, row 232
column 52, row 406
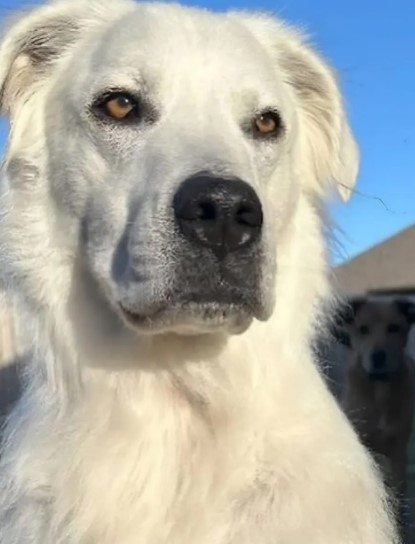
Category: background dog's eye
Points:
column 393, row 328
column 267, row 124
column 363, row 330
column 119, row 106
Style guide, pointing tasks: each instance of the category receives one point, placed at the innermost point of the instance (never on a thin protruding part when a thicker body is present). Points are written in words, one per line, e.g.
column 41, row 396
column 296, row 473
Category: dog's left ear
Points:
column 330, row 154
column 408, row 309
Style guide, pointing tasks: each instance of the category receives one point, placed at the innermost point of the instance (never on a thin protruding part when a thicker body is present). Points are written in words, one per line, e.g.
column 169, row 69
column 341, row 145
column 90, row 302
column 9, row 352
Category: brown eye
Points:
column 119, row 106
column 268, row 124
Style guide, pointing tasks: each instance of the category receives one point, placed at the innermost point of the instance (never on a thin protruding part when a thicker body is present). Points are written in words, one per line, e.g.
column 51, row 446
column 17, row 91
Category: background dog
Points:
column 378, row 394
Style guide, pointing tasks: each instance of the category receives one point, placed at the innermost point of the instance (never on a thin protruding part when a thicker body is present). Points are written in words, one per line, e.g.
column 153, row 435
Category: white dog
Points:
column 161, row 188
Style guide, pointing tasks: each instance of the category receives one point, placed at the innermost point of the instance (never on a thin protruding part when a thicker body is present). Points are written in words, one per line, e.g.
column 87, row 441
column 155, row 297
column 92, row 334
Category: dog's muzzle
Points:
column 217, row 263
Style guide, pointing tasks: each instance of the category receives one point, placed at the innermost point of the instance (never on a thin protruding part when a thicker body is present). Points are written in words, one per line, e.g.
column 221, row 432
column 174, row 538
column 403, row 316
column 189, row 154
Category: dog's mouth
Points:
column 194, row 314
column 385, row 375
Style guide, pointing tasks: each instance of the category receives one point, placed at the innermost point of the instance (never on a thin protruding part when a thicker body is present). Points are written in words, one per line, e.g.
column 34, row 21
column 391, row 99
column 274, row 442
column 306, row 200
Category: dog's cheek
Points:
column 283, row 192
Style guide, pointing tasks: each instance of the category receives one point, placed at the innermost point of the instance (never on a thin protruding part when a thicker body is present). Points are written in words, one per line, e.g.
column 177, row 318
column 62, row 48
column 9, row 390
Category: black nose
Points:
column 224, row 215
column 378, row 360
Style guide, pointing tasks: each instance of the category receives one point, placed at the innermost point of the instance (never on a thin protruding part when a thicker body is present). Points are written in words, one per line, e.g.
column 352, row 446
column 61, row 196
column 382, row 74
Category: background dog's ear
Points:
column 34, row 42
column 341, row 335
column 343, row 318
column 408, row 309
column 330, row 153
column 351, row 309
column 338, row 325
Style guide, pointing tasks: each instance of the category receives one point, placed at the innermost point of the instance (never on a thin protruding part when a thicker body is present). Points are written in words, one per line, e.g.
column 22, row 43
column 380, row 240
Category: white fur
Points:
column 172, row 438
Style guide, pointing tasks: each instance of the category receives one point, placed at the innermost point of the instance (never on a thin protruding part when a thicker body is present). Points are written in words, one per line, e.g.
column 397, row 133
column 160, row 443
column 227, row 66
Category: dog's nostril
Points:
column 246, row 215
column 206, row 211
column 224, row 215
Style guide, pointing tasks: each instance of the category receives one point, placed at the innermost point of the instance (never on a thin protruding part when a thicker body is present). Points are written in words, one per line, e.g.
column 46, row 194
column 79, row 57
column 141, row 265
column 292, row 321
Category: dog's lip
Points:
column 138, row 319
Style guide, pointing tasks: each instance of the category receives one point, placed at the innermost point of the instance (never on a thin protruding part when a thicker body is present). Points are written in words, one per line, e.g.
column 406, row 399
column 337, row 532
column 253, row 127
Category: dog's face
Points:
column 377, row 333
column 170, row 147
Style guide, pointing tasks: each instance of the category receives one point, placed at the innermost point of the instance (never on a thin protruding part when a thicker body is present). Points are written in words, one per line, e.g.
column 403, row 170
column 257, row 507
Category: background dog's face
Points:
column 167, row 149
column 377, row 333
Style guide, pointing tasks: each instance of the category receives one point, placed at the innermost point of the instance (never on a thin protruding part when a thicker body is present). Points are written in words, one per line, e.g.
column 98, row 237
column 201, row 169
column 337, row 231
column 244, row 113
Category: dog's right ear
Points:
column 351, row 308
column 30, row 48
column 341, row 336
column 33, row 44
column 338, row 327
column 344, row 317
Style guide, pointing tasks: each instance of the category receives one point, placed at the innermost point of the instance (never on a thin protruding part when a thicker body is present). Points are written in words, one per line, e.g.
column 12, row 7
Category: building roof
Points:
column 386, row 267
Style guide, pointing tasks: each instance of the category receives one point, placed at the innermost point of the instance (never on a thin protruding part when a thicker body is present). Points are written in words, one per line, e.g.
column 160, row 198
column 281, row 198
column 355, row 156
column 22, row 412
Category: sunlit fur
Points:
column 171, row 437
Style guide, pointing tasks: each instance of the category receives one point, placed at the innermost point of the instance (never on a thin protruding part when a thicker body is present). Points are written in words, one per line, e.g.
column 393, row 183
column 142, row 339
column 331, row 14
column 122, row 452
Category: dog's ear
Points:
column 343, row 318
column 408, row 309
column 338, row 328
column 330, row 149
column 330, row 154
column 351, row 308
column 341, row 336
column 30, row 48
column 338, row 325
column 33, row 44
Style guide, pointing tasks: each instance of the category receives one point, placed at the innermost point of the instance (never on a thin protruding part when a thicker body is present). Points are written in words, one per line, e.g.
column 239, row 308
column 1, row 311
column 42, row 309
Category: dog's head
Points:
column 161, row 151
column 377, row 334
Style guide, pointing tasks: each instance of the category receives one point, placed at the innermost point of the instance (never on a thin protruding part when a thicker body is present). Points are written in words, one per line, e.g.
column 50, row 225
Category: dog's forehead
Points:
column 189, row 46
column 182, row 32
column 380, row 313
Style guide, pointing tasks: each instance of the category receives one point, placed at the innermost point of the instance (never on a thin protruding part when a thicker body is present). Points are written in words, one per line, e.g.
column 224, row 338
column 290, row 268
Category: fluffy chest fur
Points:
column 170, row 473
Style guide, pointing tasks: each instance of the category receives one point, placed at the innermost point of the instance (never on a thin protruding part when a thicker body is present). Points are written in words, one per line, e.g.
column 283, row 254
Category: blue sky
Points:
column 372, row 44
